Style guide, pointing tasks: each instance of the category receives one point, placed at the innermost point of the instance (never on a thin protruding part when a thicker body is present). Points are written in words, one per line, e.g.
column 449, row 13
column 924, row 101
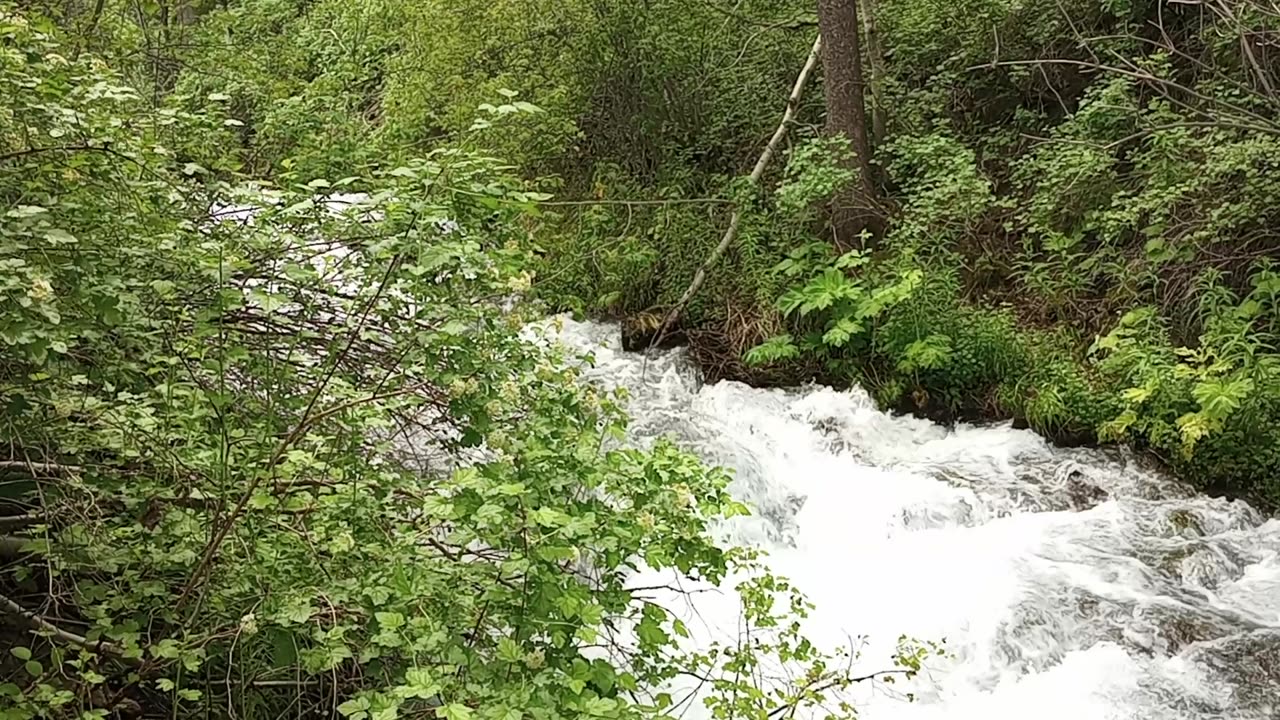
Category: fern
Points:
column 779, row 347
column 931, row 353
column 841, row 330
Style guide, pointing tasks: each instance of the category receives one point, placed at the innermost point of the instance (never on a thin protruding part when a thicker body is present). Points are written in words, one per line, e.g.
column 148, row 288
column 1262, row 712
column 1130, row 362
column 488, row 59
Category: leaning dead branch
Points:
column 735, row 219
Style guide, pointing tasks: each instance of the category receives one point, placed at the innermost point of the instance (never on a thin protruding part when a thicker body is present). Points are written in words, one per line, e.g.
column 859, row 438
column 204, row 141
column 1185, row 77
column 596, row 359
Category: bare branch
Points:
column 44, row 468
column 735, row 220
column 19, row 521
column 1137, row 75
column 39, row 624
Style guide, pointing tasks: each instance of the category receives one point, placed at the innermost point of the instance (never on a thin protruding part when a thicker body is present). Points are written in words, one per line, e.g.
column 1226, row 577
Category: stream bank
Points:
column 713, row 354
column 1069, row 583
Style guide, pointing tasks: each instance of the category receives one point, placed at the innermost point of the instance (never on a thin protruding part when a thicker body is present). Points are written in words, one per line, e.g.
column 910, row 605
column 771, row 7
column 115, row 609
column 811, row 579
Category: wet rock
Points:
column 834, row 432
column 1167, row 563
column 919, row 403
column 781, row 518
column 1210, row 566
column 1040, row 631
column 1250, row 665
column 1229, row 491
column 1173, row 628
column 640, row 330
column 1084, row 495
column 1073, row 437
column 956, row 513
column 1185, row 523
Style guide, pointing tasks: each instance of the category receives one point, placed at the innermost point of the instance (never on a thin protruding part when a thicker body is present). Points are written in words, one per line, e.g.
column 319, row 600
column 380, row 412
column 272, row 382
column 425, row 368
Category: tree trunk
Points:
column 875, row 59
column 854, row 210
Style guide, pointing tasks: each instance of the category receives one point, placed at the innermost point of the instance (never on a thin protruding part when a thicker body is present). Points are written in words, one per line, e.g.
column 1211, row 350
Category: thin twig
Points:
column 221, row 534
column 1136, row 74
column 833, row 682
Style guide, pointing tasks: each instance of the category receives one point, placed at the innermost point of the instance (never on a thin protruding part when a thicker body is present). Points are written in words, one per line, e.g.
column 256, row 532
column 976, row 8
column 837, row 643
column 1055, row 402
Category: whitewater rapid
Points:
column 1068, row 584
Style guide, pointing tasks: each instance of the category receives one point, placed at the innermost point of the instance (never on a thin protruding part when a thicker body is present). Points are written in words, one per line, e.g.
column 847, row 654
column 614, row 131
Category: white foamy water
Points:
column 1071, row 584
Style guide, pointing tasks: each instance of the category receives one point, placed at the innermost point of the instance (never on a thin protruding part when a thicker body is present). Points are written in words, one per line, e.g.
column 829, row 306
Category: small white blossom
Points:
column 40, row 290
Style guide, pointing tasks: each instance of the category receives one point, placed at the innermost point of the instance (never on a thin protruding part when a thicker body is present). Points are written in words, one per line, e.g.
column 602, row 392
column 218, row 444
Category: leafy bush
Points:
column 837, row 311
column 280, row 448
column 1206, row 407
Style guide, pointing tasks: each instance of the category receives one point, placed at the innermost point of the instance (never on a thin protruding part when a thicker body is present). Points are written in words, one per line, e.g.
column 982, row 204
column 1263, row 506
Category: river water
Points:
column 1072, row 584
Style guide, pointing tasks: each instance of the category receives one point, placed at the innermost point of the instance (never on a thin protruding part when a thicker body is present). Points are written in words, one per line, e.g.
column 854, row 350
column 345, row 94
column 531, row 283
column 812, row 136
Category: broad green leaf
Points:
column 389, row 620
column 454, row 711
column 510, row 651
column 355, row 708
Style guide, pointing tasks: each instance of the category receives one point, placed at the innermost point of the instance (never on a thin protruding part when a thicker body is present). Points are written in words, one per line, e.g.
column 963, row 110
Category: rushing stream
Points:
column 1072, row 584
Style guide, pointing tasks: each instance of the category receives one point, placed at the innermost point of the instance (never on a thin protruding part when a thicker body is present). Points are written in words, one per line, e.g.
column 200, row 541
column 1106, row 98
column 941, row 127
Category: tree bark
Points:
column 845, row 90
column 875, row 61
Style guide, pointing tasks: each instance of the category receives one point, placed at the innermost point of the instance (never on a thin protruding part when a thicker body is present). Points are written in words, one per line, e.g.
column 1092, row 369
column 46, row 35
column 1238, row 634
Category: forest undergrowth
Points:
column 275, row 445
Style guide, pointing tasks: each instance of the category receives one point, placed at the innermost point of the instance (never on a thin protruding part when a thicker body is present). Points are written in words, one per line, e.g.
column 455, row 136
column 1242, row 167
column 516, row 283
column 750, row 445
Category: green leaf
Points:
column 488, row 515
column 841, row 331
column 389, row 620
column 791, row 301
column 600, row 706
column 454, row 711
column 780, row 347
column 21, row 653
column 420, row 683
column 355, row 708
column 1218, row 399
column 298, row 611
column 651, row 633
column 509, row 651
column 33, row 667
column 454, row 327
column 59, row 237
column 167, row 648
column 549, row 517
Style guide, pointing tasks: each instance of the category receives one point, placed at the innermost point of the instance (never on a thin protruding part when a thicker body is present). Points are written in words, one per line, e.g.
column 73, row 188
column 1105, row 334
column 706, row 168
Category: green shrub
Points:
column 307, row 461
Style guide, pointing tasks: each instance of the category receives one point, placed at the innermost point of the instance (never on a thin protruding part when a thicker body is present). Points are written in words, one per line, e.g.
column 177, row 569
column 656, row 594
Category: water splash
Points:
column 1073, row 584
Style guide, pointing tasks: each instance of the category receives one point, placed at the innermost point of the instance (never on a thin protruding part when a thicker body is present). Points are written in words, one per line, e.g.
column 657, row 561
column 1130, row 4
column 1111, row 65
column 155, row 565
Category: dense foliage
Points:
column 287, row 445
column 278, row 438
